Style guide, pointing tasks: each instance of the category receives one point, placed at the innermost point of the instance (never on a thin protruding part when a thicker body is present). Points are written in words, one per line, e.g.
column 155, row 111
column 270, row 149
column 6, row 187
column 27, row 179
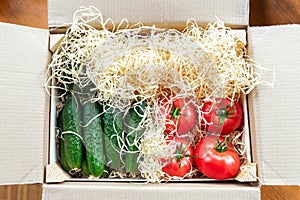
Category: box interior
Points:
column 55, row 40
column 259, row 111
column 263, row 137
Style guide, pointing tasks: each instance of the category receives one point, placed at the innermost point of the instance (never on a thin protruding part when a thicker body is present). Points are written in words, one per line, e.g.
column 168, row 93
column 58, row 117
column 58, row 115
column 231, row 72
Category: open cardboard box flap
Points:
column 24, row 104
column 164, row 13
column 94, row 191
column 274, row 113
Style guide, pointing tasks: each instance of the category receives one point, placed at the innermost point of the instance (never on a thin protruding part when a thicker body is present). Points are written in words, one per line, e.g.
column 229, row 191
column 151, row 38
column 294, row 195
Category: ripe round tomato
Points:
column 222, row 117
column 216, row 159
column 180, row 113
column 182, row 161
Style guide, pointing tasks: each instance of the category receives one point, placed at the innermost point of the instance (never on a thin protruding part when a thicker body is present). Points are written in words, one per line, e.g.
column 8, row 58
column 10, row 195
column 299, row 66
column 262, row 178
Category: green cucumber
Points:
column 72, row 143
column 133, row 120
column 85, row 169
column 131, row 157
column 93, row 134
column 63, row 160
column 113, row 128
column 61, row 145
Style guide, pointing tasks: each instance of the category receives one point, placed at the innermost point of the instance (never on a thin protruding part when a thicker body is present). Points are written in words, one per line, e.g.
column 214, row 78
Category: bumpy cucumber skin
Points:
column 131, row 160
column 85, row 169
column 62, row 155
column 72, row 143
column 113, row 128
column 133, row 119
column 63, row 160
column 93, row 138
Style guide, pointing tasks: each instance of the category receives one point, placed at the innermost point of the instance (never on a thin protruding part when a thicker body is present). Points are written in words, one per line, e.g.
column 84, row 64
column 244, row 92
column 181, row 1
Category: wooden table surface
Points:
column 34, row 13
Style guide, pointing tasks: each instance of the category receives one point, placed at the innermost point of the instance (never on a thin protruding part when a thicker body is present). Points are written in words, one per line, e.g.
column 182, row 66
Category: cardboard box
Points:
column 25, row 106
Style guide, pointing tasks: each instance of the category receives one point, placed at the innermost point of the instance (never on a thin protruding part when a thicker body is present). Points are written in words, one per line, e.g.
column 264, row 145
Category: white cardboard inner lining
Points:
column 160, row 12
column 175, row 191
column 23, row 103
column 275, row 121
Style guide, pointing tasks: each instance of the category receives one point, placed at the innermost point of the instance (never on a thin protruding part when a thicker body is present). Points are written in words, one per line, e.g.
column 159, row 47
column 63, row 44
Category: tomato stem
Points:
column 175, row 113
column 223, row 146
column 180, row 153
column 225, row 113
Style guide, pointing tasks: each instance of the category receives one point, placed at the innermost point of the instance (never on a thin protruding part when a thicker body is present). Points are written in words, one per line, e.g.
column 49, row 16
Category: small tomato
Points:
column 180, row 114
column 216, row 159
column 181, row 163
column 222, row 117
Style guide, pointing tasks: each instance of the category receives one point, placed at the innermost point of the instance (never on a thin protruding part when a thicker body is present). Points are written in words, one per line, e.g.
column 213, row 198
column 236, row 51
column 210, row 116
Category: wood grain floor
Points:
column 262, row 12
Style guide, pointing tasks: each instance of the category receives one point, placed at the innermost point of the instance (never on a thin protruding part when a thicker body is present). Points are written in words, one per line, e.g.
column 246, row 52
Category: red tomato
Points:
column 215, row 159
column 182, row 162
column 181, row 114
column 222, row 117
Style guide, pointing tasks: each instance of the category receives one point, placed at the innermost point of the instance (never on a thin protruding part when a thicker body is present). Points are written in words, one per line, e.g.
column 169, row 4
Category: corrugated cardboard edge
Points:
column 162, row 13
column 247, row 172
column 274, row 112
column 55, row 174
column 24, row 104
column 174, row 191
column 55, row 41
